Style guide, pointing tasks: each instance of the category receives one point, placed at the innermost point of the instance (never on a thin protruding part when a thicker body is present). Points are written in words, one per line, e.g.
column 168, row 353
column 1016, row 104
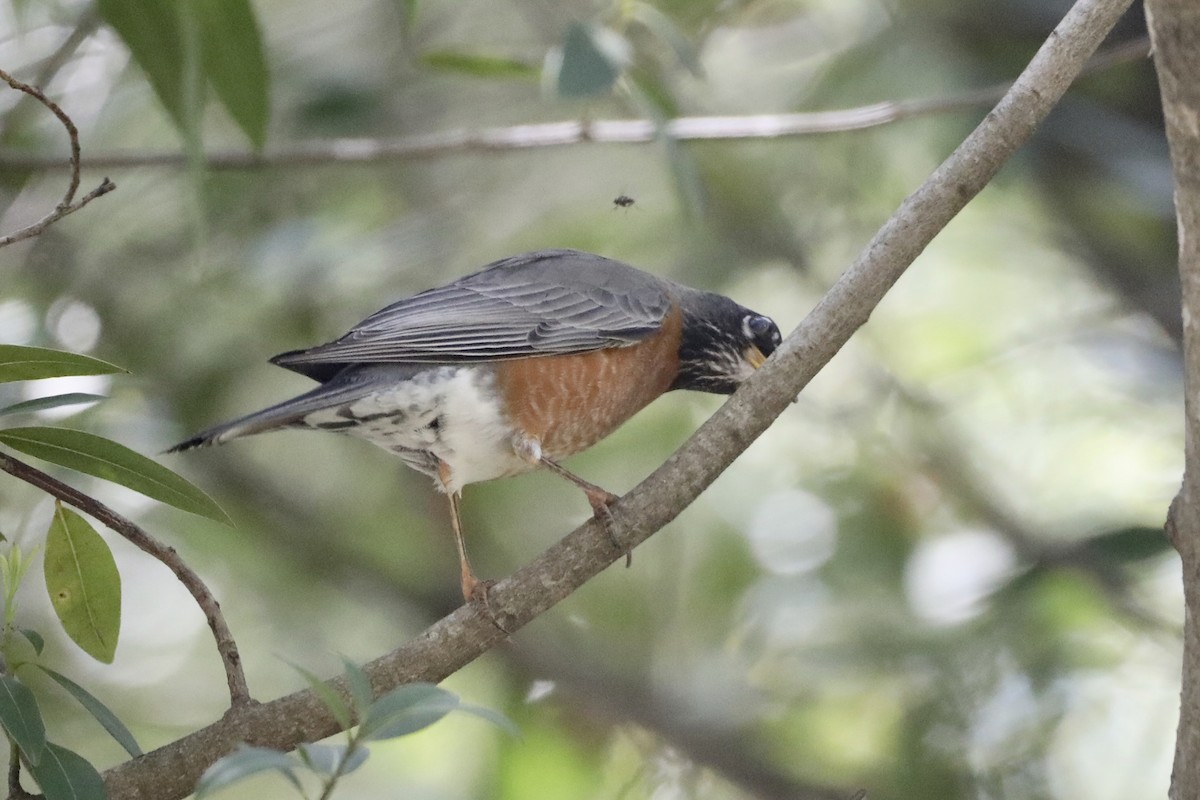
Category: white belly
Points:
column 447, row 414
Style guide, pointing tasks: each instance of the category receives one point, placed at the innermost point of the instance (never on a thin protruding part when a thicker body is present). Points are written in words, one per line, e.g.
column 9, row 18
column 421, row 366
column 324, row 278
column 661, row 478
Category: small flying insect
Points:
column 623, row 201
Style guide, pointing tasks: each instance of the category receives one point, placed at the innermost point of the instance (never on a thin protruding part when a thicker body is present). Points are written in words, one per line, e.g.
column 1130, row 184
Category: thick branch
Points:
column 171, row 771
column 571, row 132
column 1175, row 31
column 239, row 693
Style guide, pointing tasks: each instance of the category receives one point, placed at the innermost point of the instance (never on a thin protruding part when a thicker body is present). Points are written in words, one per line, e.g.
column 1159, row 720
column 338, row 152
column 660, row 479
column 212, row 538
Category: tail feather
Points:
column 288, row 413
column 265, row 420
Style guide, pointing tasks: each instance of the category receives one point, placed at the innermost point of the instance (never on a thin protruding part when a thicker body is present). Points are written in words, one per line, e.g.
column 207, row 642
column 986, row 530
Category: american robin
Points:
column 527, row 361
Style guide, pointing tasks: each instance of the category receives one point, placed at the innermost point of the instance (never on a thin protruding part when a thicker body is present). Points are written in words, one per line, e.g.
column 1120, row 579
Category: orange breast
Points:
column 570, row 402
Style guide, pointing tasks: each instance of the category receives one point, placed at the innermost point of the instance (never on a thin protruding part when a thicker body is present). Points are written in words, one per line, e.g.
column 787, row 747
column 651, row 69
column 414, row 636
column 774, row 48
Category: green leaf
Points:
column 21, row 718
column 106, row 459
column 479, row 66
column 406, row 710
column 18, row 363
column 34, row 638
column 327, row 758
column 361, row 693
column 328, row 697
column 242, row 763
column 592, row 60
column 153, row 32
column 495, row 717
column 1129, row 544
column 83, row 583
column 97, row 709
column 53, row 401
column 666, row 30
column 234, row 63
column 64, row 775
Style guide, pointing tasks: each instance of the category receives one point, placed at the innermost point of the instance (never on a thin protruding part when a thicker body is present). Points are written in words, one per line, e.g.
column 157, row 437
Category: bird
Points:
column 515, row 367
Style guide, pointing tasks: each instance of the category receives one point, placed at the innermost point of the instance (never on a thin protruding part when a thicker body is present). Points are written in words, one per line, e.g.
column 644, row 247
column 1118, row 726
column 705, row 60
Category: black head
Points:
column 723, row 343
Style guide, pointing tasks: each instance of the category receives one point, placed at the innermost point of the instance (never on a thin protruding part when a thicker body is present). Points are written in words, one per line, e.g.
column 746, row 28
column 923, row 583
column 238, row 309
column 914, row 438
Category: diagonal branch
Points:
column 171, row 771
column 239, row 693
column 574, row 132
column 65, row 206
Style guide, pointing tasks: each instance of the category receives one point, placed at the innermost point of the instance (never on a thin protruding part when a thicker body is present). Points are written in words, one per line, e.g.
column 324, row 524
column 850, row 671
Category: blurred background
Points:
column 940, row 574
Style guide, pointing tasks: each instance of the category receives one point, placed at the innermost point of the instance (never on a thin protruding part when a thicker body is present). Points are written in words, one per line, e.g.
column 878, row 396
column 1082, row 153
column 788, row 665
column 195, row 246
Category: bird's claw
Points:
column 477, row 593
column 601, row 502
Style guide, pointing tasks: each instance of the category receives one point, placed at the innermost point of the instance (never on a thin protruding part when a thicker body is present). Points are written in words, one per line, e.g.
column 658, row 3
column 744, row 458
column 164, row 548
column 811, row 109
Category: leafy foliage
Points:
column 592, row 59
column 20, row 363
column 84, row 585
column 220, row 37
column 53, row 401
column 102, row 713
column 104, row 458
column 21, row 718
column 66, row 775
column 80, row 572
column 241, row 764
column 403, row 711
column 62, row 774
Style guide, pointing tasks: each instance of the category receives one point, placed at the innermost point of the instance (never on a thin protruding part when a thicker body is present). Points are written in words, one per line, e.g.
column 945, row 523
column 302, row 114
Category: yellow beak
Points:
column 755, row 357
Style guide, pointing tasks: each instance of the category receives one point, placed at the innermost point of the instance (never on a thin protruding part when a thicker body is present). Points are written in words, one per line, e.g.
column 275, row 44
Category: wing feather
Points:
column 542, row 303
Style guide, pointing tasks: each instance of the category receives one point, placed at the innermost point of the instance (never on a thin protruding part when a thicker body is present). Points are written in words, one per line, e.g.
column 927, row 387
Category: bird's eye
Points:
column 757, row 326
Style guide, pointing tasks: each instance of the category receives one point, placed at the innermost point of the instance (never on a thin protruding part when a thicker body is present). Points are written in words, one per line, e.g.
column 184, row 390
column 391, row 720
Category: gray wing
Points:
column 548, row 302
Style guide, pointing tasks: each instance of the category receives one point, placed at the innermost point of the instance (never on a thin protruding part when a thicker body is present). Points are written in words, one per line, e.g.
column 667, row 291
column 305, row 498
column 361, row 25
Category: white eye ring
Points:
column 750, row 322
column 749, row 334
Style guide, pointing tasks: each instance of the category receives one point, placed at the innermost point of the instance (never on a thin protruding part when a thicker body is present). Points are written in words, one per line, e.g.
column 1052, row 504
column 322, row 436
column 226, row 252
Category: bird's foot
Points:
column 477, row 593
column 601, row 501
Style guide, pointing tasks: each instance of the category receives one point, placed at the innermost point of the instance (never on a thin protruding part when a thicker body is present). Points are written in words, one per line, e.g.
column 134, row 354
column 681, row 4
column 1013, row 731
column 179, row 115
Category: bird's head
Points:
column 722, row 343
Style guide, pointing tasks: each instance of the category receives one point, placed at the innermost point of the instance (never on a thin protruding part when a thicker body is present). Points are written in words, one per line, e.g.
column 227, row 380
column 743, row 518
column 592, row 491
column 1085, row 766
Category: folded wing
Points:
column 543, row 303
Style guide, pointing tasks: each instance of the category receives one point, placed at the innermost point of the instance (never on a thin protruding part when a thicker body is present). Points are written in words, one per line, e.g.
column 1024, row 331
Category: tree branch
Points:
column 171, row 771
column 1175, row 30
column 65, row 206
column 571, row 132
column 239, row 693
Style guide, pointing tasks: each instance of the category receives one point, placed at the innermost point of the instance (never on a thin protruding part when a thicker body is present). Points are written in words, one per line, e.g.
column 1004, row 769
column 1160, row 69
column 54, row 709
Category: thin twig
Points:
column 239, row 693
column 570, row 132
column 65, row 206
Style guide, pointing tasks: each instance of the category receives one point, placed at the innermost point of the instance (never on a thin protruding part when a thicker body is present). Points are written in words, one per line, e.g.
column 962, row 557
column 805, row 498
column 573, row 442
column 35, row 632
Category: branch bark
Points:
column 1175, row 31
column 171, row 771
column 570, row 132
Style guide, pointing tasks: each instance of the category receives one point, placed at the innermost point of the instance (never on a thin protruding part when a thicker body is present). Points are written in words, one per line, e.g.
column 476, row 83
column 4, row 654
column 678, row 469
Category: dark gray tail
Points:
column 284, row 415
column 290, row 413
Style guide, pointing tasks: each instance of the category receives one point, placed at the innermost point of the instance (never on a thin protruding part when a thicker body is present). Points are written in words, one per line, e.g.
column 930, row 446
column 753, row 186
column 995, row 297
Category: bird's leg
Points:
column 598, row 498
column 530, row 449
column 473, row 589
